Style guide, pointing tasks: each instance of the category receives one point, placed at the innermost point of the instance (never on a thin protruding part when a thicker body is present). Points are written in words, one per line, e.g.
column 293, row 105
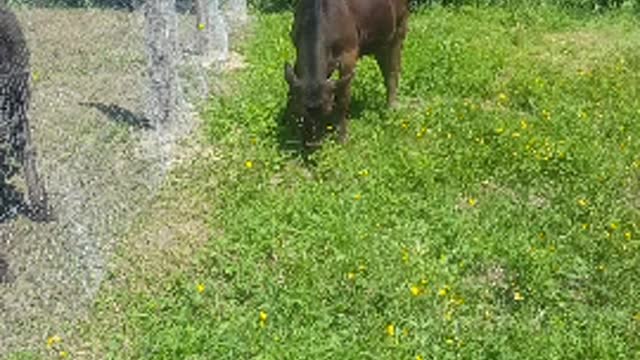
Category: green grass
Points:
column 493, row 216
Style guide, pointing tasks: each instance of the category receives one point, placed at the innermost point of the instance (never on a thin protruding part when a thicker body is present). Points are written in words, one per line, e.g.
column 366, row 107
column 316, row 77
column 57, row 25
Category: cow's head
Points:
column 313, row 102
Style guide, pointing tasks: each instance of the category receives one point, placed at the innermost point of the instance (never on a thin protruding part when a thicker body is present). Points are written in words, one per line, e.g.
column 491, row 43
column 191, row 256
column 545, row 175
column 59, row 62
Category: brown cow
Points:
column 331, row 35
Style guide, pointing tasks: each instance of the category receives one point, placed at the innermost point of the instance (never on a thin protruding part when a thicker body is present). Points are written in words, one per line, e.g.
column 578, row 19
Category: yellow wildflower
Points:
column 35, row 76
column 391, row 330
column 357, row 197
column 582, row 202
column 613, row 226
column 443, row 291
column 627, row 235
column 405, row 255
column 499, row 130
column 200, row 288
column 419, row 357
column 546, row 114
column 472, row 201
column 457, row 301
column 404, row 125
column 523, row 124
column 248, row 164
column 517, row 296
column 363, row 173
column 263, row 318
column 52, row 340
column 200, row 26
column 600, row 267
column 415, row 291
column 63, row 354
column 351, row 275
column 448, row 315
column 449, row 341
column 585, row 226
column 503, row 98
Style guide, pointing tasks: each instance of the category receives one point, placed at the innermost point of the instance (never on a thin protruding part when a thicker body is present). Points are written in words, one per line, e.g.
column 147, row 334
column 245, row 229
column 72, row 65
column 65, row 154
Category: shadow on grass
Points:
column 121, row 115
column 12, row 204
column 5, row 275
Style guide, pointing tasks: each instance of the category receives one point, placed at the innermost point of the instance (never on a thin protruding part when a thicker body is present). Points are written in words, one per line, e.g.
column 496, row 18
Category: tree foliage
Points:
column 284, row 5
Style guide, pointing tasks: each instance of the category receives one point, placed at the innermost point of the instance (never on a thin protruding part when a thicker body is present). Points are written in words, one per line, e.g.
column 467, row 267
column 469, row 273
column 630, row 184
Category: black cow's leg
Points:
column 389, row 60
column 343, row 95
column 383, row 58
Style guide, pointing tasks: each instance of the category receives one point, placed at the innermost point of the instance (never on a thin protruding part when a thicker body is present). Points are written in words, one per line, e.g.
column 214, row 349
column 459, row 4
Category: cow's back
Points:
column 376, row 21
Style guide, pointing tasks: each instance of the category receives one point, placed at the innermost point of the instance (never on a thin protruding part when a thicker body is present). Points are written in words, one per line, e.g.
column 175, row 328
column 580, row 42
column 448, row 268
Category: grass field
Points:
column 494, row 215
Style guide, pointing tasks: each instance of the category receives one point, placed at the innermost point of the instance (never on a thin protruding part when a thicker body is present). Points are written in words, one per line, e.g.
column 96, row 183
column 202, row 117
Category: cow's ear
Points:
column 290, row 75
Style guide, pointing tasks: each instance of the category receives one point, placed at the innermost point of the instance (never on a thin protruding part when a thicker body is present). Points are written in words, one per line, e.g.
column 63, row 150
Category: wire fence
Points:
column 115, row 88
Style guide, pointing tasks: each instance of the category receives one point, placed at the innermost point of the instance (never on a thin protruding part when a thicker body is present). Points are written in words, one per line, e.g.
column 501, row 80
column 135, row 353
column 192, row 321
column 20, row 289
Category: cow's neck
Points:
column 312, row 49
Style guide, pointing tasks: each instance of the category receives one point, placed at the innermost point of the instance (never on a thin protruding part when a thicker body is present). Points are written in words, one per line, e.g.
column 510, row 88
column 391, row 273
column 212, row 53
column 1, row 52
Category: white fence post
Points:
column 236, row 13
column 161, row 46
column 218, row 32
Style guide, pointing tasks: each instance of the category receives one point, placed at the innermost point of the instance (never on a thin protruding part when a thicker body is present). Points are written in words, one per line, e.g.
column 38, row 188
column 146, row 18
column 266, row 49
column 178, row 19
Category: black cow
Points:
column 331, row 35
column 15, row 135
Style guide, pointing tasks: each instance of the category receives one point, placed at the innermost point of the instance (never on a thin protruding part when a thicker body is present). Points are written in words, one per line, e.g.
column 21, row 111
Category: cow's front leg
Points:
column 343, row 101
column 343, row 94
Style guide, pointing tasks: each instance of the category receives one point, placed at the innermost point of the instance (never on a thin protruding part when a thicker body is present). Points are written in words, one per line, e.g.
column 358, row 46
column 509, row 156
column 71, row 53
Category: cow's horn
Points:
column 343, row 80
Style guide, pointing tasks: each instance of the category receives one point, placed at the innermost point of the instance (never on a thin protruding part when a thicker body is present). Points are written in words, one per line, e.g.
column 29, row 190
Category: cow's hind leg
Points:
column 389, row 60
